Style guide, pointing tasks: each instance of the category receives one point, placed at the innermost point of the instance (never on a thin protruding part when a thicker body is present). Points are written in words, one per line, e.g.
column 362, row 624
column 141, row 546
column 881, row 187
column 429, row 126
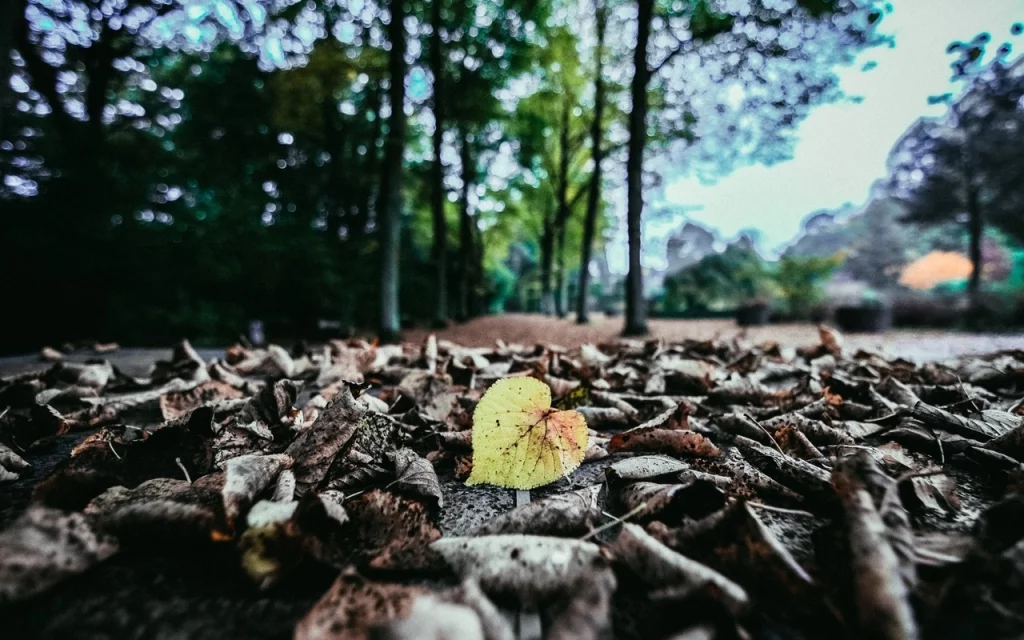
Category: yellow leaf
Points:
column 519, row 441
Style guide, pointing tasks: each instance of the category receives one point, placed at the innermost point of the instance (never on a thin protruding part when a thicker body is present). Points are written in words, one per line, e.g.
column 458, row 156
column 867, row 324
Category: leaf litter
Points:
column 700, row 489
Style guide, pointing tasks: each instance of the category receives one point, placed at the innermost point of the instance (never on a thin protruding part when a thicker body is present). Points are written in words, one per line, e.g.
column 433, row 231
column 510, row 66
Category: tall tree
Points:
column 11, row 14
column 597, row 156
column 467, row 238
column 390, row 214
column 437, row 194
column 968, row 162
column 751, row 46
column 550, row 133
column 636, row 310
column 484, row 47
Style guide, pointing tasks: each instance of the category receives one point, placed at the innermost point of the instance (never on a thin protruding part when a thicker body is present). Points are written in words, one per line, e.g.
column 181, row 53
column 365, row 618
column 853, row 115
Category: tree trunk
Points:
column 560, row 308
column 99, row 69
column 476, row 306
column 562, row 217
column 466, row 250
column 636, row 310
column 594, row 191
column 9, row 17
column 547, row 249
column 390, row 200
column 368, row 205
column 437, row 170
column 976, row 233
column 335, row 193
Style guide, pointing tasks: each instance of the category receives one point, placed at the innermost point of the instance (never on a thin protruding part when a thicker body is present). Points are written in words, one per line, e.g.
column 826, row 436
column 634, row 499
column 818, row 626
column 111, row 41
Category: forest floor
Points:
column 257, row 493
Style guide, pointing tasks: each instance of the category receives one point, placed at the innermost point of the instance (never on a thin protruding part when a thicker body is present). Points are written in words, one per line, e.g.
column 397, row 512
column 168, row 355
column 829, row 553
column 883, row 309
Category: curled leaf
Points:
column 417, row 475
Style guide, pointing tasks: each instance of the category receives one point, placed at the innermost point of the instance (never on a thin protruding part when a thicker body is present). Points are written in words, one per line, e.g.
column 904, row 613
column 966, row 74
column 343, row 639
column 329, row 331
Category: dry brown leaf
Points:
column 45, row 546
column 246, row 477
column 177, row 404
column 416, row 474
column 354, row 606
column 655, row 440
column 529, row 568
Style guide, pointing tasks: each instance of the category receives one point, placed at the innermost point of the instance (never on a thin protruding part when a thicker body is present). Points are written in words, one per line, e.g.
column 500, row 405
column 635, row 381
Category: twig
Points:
column 856, row 446
column 766, row 432
column 768, row 507
column 919, row 474
column 615, row 520
column 969, row 398
column 184, row 470
column 894, row 414
column 110, row 444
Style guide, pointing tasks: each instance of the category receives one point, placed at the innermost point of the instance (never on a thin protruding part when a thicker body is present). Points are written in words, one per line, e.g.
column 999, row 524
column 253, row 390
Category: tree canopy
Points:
column 174, row 168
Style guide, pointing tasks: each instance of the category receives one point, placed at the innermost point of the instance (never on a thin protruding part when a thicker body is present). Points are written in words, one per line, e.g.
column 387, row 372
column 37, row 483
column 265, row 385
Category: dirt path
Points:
column 532, row 328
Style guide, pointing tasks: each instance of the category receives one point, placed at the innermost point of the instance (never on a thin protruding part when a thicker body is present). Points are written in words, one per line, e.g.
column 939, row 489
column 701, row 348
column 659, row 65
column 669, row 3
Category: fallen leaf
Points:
column 177, row 404
column 655, row 440
column 529, row 568
column 354, row 606
column 562, row 514
column 645, row 468
column 45, row 546
column 314, row 450
column 417, row 475
column 246, row 477
column 880, row 576
column 519, row 441
column 660, row 567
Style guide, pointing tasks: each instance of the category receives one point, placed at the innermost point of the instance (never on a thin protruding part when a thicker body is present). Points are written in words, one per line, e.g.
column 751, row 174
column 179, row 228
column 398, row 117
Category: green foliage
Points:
column 719, row 281
column 800, row 280
column 187, row 189
column 724, row 281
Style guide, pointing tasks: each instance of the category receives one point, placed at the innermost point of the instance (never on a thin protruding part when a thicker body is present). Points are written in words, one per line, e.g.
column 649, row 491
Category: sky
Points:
column 842, row 148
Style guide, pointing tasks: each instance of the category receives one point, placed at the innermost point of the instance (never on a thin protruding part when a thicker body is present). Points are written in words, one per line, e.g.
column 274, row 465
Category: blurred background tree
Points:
column 966, row 167
column 180, row 168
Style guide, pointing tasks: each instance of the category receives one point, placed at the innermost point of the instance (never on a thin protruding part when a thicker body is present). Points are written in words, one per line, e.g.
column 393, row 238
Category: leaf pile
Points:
column 726, row 490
